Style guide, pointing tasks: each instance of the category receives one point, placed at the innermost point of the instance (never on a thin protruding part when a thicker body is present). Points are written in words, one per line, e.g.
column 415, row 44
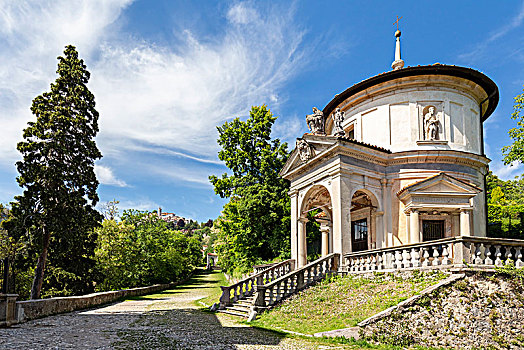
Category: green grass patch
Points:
column 342, row 302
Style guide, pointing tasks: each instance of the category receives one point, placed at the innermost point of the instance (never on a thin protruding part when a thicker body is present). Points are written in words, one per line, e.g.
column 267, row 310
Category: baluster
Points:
column 415, row 257
column 445, row 254
column 373, row 264
column 425, row 256
column 478, row 254
column 489, row 254
column 406, row 257
column 436, row 255
column 379, row 261
column 518, row 254
column 271, row 296
column 498, row 254
column 509, row 256
column 398, row 260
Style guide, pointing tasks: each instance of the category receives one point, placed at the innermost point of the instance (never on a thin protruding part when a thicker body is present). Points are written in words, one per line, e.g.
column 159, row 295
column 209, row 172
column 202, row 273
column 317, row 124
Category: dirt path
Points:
column 168, row 320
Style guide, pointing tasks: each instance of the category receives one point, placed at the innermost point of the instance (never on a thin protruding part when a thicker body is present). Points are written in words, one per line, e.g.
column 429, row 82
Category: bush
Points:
column 140, row 250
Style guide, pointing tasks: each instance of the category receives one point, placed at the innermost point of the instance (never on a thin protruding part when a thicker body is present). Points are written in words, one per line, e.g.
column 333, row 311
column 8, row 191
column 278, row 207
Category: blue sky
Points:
column 165, row 73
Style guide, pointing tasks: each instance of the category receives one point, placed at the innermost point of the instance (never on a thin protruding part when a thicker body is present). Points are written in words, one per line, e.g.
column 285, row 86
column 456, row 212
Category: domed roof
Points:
column 476, row 77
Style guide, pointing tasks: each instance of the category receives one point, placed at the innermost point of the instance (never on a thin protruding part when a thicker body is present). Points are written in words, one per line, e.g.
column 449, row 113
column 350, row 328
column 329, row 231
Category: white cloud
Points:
column 32, row 35
column 106, row 177
column 242, row 13
column 507, row 172
column 154, row 99
column 158, row 96
column 480, row 49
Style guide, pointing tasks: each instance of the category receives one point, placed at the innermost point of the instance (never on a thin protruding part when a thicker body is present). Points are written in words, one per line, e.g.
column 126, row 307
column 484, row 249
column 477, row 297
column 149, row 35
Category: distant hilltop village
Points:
column 171, row 217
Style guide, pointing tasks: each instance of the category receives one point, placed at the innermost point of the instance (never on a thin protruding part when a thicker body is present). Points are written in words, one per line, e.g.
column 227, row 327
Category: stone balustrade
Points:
column 479, row 252
column 247, row 287
column 272, row 293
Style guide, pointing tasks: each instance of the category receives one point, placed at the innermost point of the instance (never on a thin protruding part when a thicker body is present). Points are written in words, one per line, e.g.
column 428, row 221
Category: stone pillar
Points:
column 465, row 223
column 455, row 224
column 414, row 226
column 380, row 229
column 8, row 311
column 293, row 194
column 341, row 200
column 388, row 224
column 302, row 243
column 324, row 230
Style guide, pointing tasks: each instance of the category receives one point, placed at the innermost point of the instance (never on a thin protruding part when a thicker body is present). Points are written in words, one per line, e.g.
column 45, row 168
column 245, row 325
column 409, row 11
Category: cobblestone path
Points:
column 168, row 320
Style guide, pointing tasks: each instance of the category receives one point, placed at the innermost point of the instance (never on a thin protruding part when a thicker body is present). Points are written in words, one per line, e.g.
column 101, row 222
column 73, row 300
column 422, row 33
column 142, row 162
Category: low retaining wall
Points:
column 31, row 309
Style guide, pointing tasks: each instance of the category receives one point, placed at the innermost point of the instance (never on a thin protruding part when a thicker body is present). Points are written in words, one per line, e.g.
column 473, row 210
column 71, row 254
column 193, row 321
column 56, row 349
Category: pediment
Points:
column 441, row 184
column 306, row 149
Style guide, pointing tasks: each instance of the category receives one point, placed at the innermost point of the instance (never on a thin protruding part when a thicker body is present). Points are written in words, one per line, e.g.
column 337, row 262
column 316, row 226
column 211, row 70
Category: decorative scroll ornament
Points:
column 315, row 122
column 305, row 150
column 338, row 119
column 431, row 124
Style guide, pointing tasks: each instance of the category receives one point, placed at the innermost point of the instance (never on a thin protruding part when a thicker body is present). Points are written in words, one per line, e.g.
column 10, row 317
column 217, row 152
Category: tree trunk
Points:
column 40, row 266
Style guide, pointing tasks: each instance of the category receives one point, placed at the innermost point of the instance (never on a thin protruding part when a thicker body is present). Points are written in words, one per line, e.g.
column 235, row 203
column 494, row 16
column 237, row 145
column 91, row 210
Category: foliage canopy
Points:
column 515, row 152
column 254, row 224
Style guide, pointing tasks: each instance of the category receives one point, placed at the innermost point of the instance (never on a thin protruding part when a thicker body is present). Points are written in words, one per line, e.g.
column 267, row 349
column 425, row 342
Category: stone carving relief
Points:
column 431, row 123
column 315, row 122
column 305, row 150
column 338, row 119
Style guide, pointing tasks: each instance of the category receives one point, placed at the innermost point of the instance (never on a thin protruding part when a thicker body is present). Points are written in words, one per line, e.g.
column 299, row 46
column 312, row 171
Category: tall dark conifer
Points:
column 57, row 170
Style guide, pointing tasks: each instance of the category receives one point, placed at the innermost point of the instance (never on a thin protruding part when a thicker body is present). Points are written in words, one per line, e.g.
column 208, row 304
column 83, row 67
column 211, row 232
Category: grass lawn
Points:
column 344, row 301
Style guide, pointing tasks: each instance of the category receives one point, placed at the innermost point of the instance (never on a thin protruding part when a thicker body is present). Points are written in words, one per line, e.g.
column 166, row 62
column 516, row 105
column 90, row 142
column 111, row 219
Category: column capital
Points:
column 303, row 219
column 293, row 192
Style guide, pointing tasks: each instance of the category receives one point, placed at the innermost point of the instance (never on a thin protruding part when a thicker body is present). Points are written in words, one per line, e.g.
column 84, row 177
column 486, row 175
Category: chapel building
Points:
column 394, row 160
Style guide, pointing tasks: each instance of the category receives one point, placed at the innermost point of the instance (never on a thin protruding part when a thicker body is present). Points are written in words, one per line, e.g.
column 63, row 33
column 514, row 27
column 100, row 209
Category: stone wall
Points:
column 482, row 310
column 31, row 309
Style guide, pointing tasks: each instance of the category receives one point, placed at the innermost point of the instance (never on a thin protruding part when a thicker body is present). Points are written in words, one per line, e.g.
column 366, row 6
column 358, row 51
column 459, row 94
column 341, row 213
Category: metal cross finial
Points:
column 396, row 22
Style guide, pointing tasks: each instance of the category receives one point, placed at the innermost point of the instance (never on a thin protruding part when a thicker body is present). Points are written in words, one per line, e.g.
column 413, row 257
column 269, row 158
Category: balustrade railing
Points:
column 248, row 286
column 449, row 252
column 272, row 293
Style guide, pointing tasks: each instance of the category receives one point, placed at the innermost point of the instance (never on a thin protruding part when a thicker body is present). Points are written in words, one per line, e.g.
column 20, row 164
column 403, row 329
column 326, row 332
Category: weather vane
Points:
column 396, row 22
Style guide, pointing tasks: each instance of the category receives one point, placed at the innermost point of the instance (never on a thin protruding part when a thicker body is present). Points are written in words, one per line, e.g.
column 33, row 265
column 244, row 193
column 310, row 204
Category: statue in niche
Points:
column 431, row 124
column 338, row 118
column 315, row 122
column 305, row 150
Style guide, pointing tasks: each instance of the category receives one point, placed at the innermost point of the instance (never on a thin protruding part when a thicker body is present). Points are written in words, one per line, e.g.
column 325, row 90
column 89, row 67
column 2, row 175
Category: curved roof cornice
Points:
column 476, row 77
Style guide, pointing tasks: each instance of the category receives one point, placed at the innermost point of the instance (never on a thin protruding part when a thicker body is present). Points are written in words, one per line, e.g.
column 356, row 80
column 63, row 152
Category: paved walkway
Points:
column 168, row 320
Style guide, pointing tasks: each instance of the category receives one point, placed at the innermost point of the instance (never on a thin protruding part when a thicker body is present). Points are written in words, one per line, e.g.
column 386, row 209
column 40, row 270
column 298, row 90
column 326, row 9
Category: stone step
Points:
column 245, row 302
column 239, row 308
column 234, row 313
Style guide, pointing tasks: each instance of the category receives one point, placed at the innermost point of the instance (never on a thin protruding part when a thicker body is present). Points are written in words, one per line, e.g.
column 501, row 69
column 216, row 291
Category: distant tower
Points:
column 398, row 63
column 159, row 212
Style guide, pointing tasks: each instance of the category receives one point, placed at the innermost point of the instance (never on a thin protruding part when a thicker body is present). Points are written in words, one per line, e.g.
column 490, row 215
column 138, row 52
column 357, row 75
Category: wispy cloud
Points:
column 152, row 99
column 506, row 172
column 480, row 49
column 105, row 176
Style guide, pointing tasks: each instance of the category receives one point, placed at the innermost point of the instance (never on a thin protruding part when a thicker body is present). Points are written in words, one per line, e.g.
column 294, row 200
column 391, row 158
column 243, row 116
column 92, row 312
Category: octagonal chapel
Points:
column 396, row 159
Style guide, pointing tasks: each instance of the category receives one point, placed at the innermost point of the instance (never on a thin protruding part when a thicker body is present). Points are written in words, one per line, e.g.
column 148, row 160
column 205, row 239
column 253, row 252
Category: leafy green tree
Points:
column 515, row 152
column 140, row 250
column 254, row 224
column 57, row 206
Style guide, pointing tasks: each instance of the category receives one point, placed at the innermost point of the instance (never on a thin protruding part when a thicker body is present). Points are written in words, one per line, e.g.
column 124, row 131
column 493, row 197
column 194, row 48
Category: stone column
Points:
column 455, row 224
column 341, row 200
column 414, row 226
column 293, row 194
column 324, row 230
column 380, row 229
column 302, row 243
column 388, row 224
column 465, row 225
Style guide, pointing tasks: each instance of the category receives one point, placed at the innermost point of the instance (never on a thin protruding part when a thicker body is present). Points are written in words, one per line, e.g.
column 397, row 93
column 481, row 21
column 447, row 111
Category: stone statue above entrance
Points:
column 431, row 123
column 315, row 122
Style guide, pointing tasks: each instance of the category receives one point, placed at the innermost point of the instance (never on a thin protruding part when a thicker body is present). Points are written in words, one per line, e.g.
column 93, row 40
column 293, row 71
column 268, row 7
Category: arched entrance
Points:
column 363, row 221
column 316, row 209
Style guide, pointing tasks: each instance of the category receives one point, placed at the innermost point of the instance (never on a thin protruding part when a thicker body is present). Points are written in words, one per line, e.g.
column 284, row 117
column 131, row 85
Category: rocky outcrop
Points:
column 481, row 310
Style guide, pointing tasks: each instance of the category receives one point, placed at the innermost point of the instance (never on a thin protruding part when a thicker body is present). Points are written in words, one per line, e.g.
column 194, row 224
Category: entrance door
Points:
column 359, row 235
column 432, row 229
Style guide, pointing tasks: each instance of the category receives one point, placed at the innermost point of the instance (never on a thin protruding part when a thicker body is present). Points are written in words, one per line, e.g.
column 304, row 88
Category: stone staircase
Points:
column 271, row 286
